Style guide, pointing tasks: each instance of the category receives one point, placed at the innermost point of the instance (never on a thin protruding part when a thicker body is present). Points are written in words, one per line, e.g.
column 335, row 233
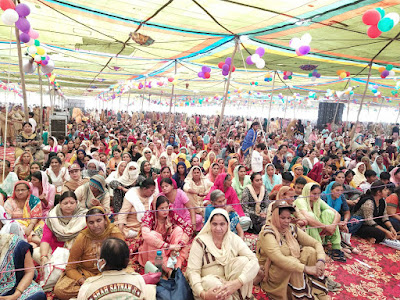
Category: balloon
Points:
column 232, row 69
column 249, row 61
column 298, row 52
column 37, row 43
column 266, row 79
column 37, row 58
column 385, row 73
column 371, row 17
column 208, row 70
column 306, row 39
column 385, row 24
column 381, row 69
column 290, row 77
column 28, row 67
column 342, row 75
column 256, row 83
column 170, row 79
column 207, row 75
column 45, row 62
column 228, row 61
column 31, row 42
column 204, row 69
column 32, row 50
column 260, row 64
column 339, row 71
column 392, row 73
column 33, row 33
column 347, row 74
column 381, row 11
column 200, row 74
column 394, row 16
column 23, row 25
column 285, row 77
column 255, row 58
column 295, row 43
column 9, row 17
column 373, row 32
column 225, row 73
column 40, row 51
column 7, row 4
column 260, row 51
column 48, row 68
column 220, row 64
column 23, row 10
column 389, row 67
column 318, row 75
column 225, row 67
column 304, row 49
column 24, row 37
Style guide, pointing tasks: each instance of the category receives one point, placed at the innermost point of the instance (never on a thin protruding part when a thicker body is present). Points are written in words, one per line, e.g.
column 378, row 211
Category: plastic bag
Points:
column 174, row 288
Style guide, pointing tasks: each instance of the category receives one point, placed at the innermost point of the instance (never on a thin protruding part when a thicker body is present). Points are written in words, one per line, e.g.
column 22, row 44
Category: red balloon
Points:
column 206, row 75
column 371, row 17
column 170, row 79
column 373, row 32
column 382, row 76
column 6, row 4
column 348, row 74
column 221, row 64
column 233, row 68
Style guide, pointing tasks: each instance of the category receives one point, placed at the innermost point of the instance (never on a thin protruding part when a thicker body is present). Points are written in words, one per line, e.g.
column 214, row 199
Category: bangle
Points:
column 19, row 290
column 44, row 256
column 321, row 260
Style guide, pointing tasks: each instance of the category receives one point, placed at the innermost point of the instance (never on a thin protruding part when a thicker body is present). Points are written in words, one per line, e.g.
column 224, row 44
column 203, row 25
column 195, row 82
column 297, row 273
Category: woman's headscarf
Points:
column 74, row 184
column 334, row 203
column 376, row 167
column 237, row 186
column 316, row 172
column 208, row 163
column 294, row 160
column 304, row 200
column 359, row 177
column 171, row 177
column 267, row 182
column 182, row 156
column 232, row 161
column 91, row 173
column 203, row 178
column 109, row 228
column 210, row 175
column 128, row 179
column 392, row 176
column 159, row 151
column 176, row 176
column 224, row 255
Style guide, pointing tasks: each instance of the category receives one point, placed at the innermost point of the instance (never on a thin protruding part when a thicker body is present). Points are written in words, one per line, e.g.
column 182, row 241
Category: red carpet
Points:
column 9, row 154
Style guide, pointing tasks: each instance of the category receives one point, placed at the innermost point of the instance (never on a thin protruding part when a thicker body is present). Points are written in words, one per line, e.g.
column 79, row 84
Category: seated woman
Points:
column 351, row 194
column 220, row 264
column 197, row 187
column 180, row 175
column 372, row 208
column 294, row 262
column 94, row 193
column 114, row 175
column 115, row 159
column 75, row 180
column 8, row 180
column 321, row 218
column 136, row 201
column 17, row 254
column 61, row 155
column 213, row 172
column 166, row 230
column 224, row 184
column 61, row 228
column 23, row 204
column 165, row 172
column 359, row 177
column 122, row 184
column 210, row 160
column 181, row 204
column 85, row 248
column 298, row 172
column 148, row 156
column 57, row 174
column 240, row 180
column 270, row 178
column 92, row 168
column 147, row 171
column 22, row 167
column 28, row 139
column 42, row 189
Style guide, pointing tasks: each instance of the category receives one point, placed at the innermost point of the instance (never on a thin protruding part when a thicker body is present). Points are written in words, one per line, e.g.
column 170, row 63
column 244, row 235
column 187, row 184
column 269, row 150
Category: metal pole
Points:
column 221, row 119
column 270, row 103
column 365, row 91
column 41, row 102
column 144, row 89
column 21, row 73
column 170, row 102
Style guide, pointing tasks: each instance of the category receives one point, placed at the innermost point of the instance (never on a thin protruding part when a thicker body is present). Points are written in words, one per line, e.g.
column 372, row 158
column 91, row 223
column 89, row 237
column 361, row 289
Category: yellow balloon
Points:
column 40, row 51
column 343, row 75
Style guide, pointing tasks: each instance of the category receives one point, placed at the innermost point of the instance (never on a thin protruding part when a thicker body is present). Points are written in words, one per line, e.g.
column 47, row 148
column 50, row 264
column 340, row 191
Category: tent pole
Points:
column 221, row 119
column 379, row 111
column 398, row 115
column 365, row 91
column 41, row 102
column 144, row 89
column 21, row 73
column 270, row 102
column 337, row 105
column 170, row 102
column 127, row 104
column 284, row 114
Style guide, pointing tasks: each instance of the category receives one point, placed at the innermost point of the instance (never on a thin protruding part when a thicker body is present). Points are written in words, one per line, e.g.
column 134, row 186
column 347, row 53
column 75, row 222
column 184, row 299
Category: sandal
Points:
column 353, row 250
column 337, row 255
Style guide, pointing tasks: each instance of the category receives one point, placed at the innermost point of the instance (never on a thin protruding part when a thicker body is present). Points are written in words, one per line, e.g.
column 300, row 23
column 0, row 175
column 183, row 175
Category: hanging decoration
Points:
column 387, row 71
column 205, row 72
column 302, row 46
column 256, row 58
column 342, row 74
column 379, row 22
column 374, row 90
column 268, row 77
column 226, row 66
column 308, row 67
column 314, row 75
column 287, row 75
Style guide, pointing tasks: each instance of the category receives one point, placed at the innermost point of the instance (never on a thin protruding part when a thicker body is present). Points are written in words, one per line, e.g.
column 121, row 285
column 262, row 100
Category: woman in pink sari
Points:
column 163, row 229
column 41, row 188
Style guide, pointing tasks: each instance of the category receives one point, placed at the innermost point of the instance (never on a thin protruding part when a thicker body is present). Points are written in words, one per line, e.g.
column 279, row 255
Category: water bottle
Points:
column 158, row 261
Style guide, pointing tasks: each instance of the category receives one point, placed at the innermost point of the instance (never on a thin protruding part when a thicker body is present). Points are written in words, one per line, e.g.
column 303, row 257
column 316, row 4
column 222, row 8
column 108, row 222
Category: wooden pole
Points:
column 398, row 115
column 221, row 119
column 270, row 102
column 127, row 103
column 41, row 102
column 337, row 105
column 170, row 102
column 379, row 111
column 286, row 104
column 144, row 89
column 365, row 91
column 21, row 73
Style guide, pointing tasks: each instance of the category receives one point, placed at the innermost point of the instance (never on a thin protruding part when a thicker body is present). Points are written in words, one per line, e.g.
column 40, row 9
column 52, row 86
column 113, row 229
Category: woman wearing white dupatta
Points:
column 220, row 264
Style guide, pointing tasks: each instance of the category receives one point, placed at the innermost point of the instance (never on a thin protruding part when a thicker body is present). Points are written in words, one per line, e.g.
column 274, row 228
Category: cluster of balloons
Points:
column 397, row 87
column 374, row 90
column 379, row 22
column 349, row 91
column 342, row 74
column 385, row 72
column 302, row 46
column 314, row 75
column 329, row 93
column 205, row 72
column 173, row 80
column 256, row 58
column 254, row 83
column 287, row 75
column 226, row 66
column 312, row 95
column 268, row 77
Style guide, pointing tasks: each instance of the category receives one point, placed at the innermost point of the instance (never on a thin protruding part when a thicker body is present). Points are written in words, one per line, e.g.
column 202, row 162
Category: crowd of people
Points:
column 143, row 183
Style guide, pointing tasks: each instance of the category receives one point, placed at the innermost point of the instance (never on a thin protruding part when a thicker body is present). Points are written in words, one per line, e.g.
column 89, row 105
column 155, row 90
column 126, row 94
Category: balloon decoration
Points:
column 374, row 90
column 387, row 71
column 256, row 58
column 205, row 72
column 253, row 83
column 329, row 93
column 302, row 46
column 268, row 77
column 379, row 22
column 342, row 74
column 226, row 66
column 287, row 75
column 397, row 87
column 314, row 75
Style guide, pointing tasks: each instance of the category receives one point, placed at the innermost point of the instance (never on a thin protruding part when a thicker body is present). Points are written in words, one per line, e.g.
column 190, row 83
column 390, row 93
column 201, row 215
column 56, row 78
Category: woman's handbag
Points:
column 54, row 269
column 176, row 288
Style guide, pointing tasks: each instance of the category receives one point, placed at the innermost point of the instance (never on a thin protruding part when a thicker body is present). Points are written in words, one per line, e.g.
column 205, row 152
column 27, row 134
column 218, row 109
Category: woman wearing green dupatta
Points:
column 298, row 160
column 240, row 180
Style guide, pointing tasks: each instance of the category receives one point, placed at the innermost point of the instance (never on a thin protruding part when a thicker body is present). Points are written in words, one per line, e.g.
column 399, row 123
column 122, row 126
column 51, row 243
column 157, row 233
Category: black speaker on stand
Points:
column 326, row 113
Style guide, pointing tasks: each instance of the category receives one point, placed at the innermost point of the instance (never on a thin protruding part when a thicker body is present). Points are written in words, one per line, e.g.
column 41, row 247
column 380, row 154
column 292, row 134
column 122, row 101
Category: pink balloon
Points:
column 249, row 61
column 260, row 51
column 373, row 32
column 298, row 52
column 33, row 33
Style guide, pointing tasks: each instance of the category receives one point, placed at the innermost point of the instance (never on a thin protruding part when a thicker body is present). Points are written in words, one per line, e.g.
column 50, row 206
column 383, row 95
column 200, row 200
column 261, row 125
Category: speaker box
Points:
column 326, row 113
column 58, row 126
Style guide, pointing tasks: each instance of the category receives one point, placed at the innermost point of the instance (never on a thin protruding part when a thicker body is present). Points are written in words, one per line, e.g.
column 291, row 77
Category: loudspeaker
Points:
column 326, row 113
column 58, row 126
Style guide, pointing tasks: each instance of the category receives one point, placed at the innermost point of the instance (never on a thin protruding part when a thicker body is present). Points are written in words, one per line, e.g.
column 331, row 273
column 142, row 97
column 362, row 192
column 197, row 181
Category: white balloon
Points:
column 306, row 39
column 392, row 73
column 255, row 58
column 29, row 67
column 394, row 16
column 260, row 64
column 32, row 50
column 48, row 68
column 295, row 43
column 313, row 78
column 31, row 42
column 37, row 58
column 9, row 17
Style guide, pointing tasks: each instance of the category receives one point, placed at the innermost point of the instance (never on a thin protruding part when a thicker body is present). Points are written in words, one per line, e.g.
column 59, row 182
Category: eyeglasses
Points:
column 21, row 191
column 147, row 152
